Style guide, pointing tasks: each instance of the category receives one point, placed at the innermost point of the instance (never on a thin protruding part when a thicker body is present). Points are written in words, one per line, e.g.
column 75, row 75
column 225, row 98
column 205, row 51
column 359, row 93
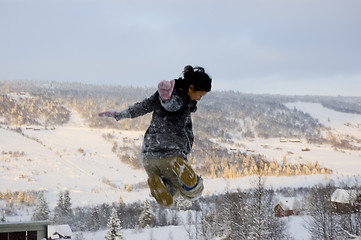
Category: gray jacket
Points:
column 170, row 132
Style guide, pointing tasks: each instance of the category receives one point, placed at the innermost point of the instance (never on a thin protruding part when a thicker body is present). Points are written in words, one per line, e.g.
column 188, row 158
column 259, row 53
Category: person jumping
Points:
column 169, row 137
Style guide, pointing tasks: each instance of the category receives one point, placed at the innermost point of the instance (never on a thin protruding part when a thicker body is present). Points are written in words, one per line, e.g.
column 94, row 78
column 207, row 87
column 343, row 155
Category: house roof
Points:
column 23, row 226
column 64, row 230
column 288, row 203
column 344, row 196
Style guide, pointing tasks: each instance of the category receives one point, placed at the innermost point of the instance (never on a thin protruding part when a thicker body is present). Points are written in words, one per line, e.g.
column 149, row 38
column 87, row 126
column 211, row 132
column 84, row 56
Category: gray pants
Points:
column 164, row 168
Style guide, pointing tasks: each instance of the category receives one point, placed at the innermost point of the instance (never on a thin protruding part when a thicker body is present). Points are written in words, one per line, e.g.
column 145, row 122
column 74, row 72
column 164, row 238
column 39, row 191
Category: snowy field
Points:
column 162, row 233
column 80, row 159
column 294, row 224
column 341, row 123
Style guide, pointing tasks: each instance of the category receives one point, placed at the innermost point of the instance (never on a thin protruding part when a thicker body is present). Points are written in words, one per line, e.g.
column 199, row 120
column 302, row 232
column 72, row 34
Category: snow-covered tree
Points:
column 351, row 215
column 93, row 220
column 236, row 222
column 263, row 225
column 59, row 209
column 209, row 223
column 249, row 215
column 114, row 225
column 146, row 219
column 63, row 212
column 41, row 211
column 68, row 212
column 324, row 222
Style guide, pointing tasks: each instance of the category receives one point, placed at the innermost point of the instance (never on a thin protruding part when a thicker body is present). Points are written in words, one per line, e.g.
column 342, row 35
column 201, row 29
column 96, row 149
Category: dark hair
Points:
column 194, row 76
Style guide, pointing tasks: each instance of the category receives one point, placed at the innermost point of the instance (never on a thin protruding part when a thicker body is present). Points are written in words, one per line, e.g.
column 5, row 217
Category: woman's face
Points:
column 195, row 95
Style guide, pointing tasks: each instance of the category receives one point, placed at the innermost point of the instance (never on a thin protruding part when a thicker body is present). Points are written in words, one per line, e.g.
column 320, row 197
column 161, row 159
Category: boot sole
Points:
column 159, row 191
column 184, row 172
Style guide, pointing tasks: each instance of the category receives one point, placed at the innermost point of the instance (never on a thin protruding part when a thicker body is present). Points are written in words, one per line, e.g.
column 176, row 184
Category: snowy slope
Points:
column 78, row 158
column 69, row 157
column 341, row 123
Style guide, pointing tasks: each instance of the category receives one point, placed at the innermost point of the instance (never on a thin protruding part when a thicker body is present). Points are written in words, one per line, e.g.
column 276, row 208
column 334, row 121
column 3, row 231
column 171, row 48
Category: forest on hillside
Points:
column 221, row 115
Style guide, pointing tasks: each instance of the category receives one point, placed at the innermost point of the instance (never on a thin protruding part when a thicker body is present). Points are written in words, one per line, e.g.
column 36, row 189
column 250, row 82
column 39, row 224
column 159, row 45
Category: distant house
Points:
column 287, row 207
column 24, row 230
column 346, row 201
column 59, row 232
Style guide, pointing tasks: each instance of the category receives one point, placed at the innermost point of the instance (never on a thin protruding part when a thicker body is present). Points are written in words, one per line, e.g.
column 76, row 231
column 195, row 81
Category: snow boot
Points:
column 159, row 191
column 184, row 172
column 193, row 192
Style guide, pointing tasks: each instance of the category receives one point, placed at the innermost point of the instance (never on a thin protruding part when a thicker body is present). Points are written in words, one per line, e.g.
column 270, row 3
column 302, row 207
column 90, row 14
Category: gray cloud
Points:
column 253, row 46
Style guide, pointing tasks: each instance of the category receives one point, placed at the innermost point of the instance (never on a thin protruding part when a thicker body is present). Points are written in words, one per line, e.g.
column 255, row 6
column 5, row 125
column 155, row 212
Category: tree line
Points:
column 222, row 114
column 212, row 161
column 243, row 214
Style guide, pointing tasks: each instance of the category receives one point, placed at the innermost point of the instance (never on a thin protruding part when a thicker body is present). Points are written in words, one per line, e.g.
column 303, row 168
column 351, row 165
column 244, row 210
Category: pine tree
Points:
column 41, row 211
column 114, row 225
column 93, row 220
column 59, row 209
column 68, row 212
column 146, row 219
column 63, row 212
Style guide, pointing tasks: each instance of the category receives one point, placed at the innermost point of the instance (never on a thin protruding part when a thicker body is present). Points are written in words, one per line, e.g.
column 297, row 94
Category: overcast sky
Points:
column 253, row 46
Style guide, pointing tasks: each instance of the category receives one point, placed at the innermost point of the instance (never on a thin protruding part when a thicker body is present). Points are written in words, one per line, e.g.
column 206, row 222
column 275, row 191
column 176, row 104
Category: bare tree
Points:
column 324, row 222
column 264, row 224
column 236, row 222
column 250, row 215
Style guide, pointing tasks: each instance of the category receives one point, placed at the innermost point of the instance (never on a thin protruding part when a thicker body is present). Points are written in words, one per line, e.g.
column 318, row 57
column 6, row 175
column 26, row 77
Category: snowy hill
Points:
column 71, row 155
column 79, row 158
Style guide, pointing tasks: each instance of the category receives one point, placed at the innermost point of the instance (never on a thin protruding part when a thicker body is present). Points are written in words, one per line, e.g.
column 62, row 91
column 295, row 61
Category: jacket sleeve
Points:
column 142, row 108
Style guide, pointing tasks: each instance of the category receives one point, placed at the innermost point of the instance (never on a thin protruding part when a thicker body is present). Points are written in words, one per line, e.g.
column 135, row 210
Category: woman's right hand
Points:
column 107, row 114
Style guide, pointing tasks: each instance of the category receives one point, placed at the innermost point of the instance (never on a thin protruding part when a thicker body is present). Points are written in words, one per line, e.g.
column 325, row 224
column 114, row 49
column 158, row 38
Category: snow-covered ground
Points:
column 161, row 233
column 295, row 225
column 80, row 159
